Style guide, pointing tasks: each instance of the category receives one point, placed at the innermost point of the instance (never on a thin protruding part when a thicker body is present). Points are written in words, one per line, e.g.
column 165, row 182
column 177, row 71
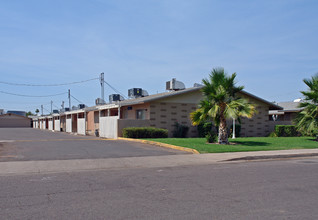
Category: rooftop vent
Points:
column 100, row 101
column 174, row 85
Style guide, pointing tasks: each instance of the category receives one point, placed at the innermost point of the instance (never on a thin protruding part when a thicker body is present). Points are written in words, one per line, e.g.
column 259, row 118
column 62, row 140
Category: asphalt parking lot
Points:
column 25, row 144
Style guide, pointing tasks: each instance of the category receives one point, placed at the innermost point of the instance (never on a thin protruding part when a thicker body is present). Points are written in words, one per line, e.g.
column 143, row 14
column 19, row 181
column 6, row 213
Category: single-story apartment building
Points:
column 161, row 110
column 285, row 116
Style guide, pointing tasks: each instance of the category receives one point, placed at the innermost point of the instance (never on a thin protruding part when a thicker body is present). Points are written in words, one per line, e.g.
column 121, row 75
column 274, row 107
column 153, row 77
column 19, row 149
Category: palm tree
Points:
column 221, row 102
column 307, row 120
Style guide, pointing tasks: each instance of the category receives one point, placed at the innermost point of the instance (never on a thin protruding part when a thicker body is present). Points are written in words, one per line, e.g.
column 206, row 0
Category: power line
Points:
column 59, row 84
column 115, row 89
column 56, row 106
column 46, row 110
column 38, row 96
column 77, row 99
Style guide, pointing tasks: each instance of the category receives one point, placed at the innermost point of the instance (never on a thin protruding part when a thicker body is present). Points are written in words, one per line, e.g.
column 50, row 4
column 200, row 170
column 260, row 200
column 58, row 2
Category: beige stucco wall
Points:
column 14, row 121
column 131, row 114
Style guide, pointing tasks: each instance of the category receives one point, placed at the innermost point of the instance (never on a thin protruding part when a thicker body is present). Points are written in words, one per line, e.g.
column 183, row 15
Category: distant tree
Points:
column 29, row 113
column 37, row 111
column 221, row 102
column 307, row 119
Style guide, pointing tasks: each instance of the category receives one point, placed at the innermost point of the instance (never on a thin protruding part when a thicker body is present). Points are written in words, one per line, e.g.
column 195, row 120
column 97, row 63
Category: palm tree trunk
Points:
column 223, row 139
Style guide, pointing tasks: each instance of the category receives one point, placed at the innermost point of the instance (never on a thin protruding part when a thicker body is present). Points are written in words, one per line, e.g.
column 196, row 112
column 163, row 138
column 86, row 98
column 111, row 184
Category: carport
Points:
column 62, row 122
column 76, row 122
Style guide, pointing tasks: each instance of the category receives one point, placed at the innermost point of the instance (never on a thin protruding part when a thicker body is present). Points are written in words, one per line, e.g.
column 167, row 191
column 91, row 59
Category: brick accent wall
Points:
column 258, row 126
column 164, row 115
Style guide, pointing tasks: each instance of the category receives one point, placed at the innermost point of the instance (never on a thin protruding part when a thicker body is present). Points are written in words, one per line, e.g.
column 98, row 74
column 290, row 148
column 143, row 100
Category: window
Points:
column 140, row 114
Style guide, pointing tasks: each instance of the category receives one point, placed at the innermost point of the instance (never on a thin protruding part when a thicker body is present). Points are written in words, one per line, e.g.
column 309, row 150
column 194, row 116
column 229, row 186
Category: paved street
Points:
column 286, row 189
column 25, row 144
column 46, row 175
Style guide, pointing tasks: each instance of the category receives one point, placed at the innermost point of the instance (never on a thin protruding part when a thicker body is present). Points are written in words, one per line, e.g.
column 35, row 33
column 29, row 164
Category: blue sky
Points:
column 271, row 45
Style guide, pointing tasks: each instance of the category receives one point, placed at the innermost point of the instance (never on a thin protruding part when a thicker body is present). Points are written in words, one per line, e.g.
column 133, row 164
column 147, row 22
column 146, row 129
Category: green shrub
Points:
column 205, row 128
column 145, row 132
column 286, row 131
column 211, row 137
column 272, row 134
column 180, row 131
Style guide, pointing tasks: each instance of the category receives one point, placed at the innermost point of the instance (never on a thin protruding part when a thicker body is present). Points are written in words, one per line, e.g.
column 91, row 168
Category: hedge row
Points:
column 286, row 131
column 145, row 132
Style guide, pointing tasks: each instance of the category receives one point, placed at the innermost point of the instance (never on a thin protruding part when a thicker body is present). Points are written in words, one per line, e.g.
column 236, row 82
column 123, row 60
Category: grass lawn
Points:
column 243, row 144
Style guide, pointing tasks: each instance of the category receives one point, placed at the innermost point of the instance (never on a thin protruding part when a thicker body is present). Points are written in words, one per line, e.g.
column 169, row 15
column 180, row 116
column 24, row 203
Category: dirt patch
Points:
column 230, row 143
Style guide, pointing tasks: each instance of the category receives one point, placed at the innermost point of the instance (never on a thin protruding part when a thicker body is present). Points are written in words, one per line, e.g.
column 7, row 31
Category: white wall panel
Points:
column 108, row 127
column 81, row 126
column 57, row 125
column 69, row 125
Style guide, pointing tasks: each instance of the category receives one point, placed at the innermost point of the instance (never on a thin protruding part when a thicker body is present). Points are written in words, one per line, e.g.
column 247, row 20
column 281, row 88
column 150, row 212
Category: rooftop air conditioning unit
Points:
column 115, row 98
column 135, row 93
column 66, row 109
column 81, row 106
column 174, row 85
column 55, row 111
column 197, row 85
column 144, row 93
column 74, row 107
column 100, row 101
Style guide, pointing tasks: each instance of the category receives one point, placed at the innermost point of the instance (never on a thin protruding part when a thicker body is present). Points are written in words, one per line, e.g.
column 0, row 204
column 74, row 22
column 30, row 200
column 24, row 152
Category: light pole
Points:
column 233, row 130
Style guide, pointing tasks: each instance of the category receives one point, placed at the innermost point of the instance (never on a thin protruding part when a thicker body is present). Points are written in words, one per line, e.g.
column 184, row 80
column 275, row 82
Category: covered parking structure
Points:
column 76, row 122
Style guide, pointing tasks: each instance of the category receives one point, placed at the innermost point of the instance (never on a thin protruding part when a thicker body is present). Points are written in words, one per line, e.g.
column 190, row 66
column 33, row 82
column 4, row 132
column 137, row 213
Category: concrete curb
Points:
column 271, row 157
column 189, row 150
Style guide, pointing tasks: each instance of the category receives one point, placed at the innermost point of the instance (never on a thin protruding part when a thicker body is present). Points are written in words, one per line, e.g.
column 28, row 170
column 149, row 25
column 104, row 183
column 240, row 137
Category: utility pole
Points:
column 69, row 99
column 62, row 105
column 42, row 110
column 51, row 107
column 101, row 79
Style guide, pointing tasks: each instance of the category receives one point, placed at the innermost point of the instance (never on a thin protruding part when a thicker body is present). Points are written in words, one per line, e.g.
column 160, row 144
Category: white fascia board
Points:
column 108, row 106
column 74, row 112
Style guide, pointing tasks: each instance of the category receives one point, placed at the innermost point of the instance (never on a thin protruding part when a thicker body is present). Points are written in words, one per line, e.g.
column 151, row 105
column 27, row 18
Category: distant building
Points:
column 11, row 120
column 1, row 111
column 22, row 113
column 287, row 115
